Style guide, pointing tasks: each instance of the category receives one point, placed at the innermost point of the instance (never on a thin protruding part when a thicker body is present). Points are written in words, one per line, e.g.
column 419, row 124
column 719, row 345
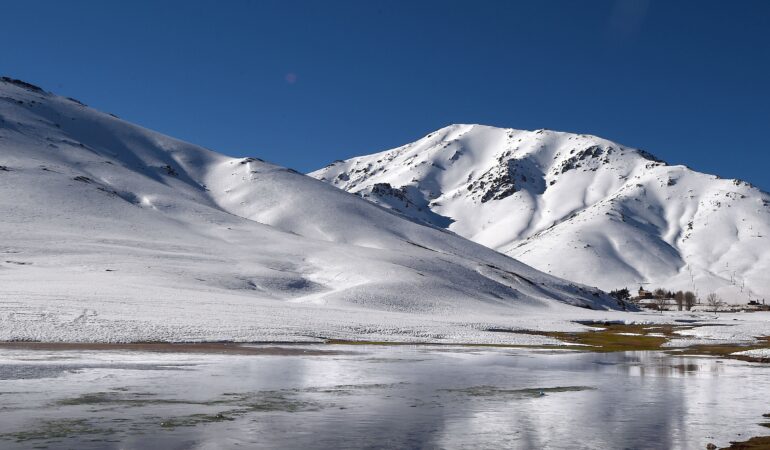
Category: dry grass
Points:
column 755, row 443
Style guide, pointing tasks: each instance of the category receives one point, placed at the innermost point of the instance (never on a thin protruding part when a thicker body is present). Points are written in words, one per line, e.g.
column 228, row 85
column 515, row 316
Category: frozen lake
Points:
column 377, row 396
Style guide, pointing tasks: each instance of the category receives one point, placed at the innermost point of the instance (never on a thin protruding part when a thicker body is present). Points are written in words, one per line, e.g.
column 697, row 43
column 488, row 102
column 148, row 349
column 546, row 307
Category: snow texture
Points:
column 576, row 206
column 114, row 233
column 760, row 353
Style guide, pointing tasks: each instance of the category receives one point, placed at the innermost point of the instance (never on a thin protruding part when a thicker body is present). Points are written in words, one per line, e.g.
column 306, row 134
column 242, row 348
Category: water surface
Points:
column 375, row 397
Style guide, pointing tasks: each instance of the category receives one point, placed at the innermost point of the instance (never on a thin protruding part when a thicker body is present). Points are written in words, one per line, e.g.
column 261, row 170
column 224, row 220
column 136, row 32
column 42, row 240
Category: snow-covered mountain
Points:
column 576, row 206
column 113, row 232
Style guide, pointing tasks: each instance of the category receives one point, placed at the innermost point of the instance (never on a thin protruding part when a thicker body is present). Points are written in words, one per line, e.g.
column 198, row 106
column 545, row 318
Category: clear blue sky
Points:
column 305, row 83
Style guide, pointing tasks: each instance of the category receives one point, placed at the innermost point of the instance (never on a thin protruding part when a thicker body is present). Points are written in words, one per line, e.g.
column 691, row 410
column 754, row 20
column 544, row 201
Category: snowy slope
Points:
column 113, row 232
column 576, row 206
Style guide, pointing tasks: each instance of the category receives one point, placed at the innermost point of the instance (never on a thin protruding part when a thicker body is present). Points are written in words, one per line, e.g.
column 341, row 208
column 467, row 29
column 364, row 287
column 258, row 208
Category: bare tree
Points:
column 660, row 299
column 714, row 302
column 689, row 300
column 679, row 297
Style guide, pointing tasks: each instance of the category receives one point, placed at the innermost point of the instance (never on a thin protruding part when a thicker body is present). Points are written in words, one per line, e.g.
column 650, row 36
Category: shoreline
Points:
column 610, row 337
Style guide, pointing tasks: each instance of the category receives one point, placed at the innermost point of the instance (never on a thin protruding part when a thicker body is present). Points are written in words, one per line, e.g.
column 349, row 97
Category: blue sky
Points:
column 305, row 83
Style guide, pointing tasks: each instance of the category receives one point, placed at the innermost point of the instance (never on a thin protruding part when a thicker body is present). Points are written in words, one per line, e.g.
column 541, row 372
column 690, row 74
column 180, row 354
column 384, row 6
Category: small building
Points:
column 644, row 294
column 755, row 305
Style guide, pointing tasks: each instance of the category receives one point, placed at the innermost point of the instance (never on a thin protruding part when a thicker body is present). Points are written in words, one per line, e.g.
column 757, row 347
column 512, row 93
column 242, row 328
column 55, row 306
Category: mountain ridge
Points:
column 524, row 193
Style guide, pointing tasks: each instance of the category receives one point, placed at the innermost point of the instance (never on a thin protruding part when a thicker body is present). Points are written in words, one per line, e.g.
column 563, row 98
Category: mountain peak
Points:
column 575, row 205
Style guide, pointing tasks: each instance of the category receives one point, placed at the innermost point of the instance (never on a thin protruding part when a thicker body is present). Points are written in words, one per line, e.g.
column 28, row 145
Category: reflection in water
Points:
column 405, row 397
column 653, row 364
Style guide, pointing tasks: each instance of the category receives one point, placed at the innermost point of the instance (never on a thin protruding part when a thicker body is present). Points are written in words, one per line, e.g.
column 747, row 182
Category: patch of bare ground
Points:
column 637, row 337
column 755, row 443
